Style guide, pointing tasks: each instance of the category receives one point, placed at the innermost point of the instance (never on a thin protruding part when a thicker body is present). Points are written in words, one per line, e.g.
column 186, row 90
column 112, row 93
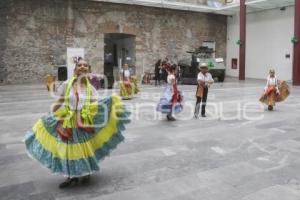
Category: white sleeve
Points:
column 267, row 85
column 268, row 80
column 127, row 73
column 200, row 77
column 170, row 78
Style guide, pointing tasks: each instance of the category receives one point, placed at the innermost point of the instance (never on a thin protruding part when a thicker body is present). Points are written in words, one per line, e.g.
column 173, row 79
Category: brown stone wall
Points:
column 4, row 7
column 38, row 33
column 35, row 30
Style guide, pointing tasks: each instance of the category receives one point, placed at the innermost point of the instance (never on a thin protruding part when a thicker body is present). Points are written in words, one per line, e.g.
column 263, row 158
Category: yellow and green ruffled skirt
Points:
column 79, row 155
column 134, row 80
column 126, row 90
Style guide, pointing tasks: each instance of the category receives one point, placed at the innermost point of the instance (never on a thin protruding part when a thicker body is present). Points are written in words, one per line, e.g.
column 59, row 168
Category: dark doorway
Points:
column 119, row 49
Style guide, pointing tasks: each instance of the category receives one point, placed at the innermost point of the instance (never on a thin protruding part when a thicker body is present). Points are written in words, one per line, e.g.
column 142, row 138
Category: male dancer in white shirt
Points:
column 204, row 81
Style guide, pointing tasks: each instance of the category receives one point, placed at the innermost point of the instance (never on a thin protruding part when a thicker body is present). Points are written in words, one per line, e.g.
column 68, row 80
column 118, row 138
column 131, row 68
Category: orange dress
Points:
column 275, row 91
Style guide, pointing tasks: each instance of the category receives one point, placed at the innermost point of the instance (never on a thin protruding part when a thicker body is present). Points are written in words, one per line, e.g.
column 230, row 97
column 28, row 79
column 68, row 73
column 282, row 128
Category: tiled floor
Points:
column 240, row 152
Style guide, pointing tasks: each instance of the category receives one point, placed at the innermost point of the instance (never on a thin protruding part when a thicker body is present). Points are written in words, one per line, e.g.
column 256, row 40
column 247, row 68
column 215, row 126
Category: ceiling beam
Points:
column 226, row 10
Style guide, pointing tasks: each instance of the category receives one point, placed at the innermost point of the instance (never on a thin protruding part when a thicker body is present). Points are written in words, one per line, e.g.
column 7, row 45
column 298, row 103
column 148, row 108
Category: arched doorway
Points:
column 119, row 48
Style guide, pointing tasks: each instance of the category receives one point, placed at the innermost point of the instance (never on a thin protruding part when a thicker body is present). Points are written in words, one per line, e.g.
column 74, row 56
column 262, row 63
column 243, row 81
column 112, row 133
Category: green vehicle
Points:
column 189, row 67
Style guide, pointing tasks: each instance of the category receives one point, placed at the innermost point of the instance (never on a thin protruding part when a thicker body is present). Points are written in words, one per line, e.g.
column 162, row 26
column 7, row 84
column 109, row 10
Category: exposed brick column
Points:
column 242, row 40
column 296, row 61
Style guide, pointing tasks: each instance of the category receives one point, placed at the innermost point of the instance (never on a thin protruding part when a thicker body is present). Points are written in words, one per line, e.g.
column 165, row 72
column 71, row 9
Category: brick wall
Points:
column 37, row 33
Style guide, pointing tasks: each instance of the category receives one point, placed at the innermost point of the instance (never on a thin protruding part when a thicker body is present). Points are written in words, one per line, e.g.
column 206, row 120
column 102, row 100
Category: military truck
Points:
column 189, row 66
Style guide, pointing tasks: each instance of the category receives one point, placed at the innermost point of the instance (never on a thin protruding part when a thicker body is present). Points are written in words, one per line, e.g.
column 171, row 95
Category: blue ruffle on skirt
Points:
column 85, row 165
column 165, row 106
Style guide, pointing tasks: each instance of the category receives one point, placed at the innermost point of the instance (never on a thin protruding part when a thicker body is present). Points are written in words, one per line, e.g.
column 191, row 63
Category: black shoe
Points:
column 85, row 180
column 68, row 182
column 170, row 118
column 270, row 107
column 203, row 115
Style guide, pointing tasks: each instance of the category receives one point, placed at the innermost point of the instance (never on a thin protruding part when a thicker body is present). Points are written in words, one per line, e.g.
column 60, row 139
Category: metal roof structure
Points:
column 229, row 9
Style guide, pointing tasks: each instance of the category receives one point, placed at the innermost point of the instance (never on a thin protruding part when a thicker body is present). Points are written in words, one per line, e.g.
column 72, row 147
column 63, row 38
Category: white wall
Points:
column 269, row 36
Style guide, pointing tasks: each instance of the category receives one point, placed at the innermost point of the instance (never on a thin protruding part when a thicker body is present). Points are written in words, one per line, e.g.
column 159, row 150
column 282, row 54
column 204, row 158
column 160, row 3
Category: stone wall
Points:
column 35, row 30
column 37, row 33
column 4, row 7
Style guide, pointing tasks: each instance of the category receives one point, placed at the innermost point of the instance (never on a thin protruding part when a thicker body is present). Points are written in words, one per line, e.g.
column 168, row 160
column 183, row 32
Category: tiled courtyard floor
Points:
column 239, row 152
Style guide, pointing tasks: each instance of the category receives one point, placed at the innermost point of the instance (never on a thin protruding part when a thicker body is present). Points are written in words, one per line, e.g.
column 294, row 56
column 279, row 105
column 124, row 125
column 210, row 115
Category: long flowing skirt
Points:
column 271, row 97
column 165, row 104
column 126, row 90
column 134, row 80
column 79, row 155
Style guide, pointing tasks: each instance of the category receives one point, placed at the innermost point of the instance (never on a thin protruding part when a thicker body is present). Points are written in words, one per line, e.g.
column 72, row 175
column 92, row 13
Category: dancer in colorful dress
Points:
column 204, row 81
column 275, row 91
column 126, row 86
column 171, row 102
column 80, row 131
